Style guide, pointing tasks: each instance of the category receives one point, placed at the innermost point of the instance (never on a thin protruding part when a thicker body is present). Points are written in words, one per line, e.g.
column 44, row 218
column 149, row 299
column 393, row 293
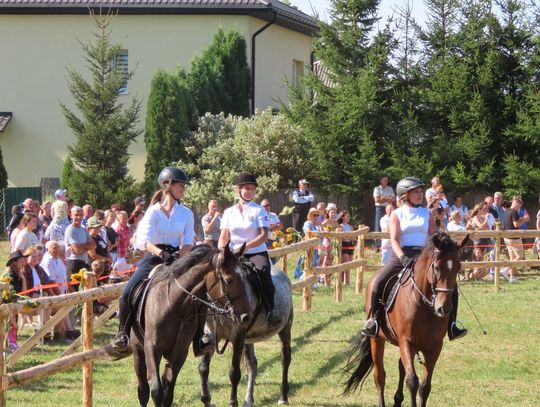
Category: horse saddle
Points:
column 389, row 295
column 137, row 300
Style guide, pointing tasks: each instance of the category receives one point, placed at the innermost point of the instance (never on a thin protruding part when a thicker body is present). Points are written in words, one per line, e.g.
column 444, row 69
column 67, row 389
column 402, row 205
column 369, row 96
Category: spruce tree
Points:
column 104, row 128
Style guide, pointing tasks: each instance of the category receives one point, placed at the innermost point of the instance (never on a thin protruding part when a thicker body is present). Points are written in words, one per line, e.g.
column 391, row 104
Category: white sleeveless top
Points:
column 413, row 225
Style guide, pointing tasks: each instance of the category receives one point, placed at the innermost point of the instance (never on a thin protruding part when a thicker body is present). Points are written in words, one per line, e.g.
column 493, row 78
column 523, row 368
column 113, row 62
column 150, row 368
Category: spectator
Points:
column 536, row 245
column 329, row 224
column 45, row 214
column 498, row 210
column 312, row 225
column 386, row 246
column 321, row 207
column 99, row 251
column 88, row 211
column 16, row 216
column 54, row 266
column 60, row 221
column 523, row 214
column 26, row 237
column 211, row 224
column 100, row 215
column 14, row 228
column 302, row 199
column 134, row 220
column 431, row 193
column 124, row 234
column 480, row 221
column 456, row 222
column 78, row 242
column 383, row 196
column 462, row 209
column 512, row 221
column 347, row 246
column 440, row 217
column 15, row 272
column 275, row 225
column 112, row 236
column 139, row 203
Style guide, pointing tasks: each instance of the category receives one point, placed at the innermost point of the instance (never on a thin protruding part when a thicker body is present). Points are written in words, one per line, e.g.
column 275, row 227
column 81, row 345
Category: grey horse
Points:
column 243, row 339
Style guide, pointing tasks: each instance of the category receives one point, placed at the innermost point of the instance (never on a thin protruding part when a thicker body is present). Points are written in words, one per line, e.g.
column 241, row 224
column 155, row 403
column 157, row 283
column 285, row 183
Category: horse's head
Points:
column 227, row 285
column 443, row 270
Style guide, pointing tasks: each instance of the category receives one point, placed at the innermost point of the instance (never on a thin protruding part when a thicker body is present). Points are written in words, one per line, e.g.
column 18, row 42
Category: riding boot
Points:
column 371, row 326
column 121, row 340
column 454, row 331
column 202, row 342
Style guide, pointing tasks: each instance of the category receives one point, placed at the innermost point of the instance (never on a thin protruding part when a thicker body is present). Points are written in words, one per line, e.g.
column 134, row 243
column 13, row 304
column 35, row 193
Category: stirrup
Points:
column 457, row 332
column 121, row 343
column 371, row 328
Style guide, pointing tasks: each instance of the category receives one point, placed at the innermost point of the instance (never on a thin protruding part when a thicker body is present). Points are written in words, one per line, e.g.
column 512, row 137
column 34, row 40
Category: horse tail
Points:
column 359, row 365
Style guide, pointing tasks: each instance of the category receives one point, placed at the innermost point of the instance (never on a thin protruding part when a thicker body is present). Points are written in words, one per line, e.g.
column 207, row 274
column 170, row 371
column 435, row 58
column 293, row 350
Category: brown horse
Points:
column 176, row 303
column 417, row 322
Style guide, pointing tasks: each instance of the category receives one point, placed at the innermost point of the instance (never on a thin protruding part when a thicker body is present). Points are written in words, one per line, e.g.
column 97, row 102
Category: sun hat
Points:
column 93, row 222
column 16, row 255
column 58, row 193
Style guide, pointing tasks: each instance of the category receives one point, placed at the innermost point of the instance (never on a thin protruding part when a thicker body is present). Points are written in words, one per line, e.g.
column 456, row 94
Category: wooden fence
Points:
column 63, row 304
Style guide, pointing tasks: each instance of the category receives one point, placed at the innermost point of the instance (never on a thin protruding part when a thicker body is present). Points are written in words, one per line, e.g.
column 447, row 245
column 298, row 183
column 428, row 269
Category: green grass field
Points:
column 501, row 368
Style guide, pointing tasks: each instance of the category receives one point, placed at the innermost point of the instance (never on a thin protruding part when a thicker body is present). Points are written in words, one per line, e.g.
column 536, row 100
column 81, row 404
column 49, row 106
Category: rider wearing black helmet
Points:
column 409, row 227
column 248, row 222
column 164, row 233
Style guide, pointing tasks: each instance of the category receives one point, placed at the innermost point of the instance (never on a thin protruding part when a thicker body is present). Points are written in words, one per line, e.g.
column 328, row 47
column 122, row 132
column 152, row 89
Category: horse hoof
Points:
column 283, row 403
column 247, row 404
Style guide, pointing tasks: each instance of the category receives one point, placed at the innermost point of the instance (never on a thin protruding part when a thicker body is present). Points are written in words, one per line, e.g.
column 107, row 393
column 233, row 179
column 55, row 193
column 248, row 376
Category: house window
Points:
column 121, row 62
column 297, row 72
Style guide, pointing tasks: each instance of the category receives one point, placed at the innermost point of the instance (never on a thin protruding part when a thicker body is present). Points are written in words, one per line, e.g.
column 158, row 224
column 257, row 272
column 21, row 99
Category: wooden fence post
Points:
column 2, row 359
column 88, row 336
column 339, row 274
column 307, row 291
column 497, row 277
column 360, row 270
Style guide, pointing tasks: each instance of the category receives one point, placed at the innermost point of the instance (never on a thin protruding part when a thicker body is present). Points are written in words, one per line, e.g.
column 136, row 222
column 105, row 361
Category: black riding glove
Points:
column 166, row 257
column 406, row 261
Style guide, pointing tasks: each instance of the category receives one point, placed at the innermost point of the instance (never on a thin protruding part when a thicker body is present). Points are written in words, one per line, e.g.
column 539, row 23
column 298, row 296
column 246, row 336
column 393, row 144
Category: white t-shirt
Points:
column 24, row 240
column 245, row 226
column 455, row 227
column 156, row 227
column 430, row 194
column 273, row 219
column 413, row 225
column 383, row 223
column 56, row 270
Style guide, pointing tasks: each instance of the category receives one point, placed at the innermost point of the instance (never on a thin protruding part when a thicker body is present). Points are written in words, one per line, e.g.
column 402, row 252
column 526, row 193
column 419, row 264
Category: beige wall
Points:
column 39, row 48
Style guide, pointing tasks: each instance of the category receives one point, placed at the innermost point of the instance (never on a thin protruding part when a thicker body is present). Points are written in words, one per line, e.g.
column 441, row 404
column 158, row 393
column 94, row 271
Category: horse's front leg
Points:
column 285, row 338
column 379, row 374
column 143, row 390
column 407, row 357
column 204, row 372
column 152, row 358
column 398, row 397
column 429, row 367
column 234, row 372
column 172, row 368
column 249, row 354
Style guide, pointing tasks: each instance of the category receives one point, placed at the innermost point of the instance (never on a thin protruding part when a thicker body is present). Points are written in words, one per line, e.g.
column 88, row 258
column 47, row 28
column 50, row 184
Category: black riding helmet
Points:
column 169, row 175
column 245, row 178
column 407, row 184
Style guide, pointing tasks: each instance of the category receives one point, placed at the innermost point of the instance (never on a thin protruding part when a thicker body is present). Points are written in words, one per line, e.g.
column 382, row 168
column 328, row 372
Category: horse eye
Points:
column 228, row 280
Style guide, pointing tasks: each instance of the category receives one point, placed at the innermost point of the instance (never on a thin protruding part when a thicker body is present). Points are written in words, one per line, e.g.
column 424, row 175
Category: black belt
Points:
column 168, row 248
column 413, row 248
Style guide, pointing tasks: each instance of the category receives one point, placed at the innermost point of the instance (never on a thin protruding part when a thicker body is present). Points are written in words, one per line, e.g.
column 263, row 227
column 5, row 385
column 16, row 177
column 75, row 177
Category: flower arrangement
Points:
column 290, row 236
column 10, row 295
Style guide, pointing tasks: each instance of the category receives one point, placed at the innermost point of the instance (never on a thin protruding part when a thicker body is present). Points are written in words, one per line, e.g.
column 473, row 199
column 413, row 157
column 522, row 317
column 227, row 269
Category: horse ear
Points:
column 240, row 251
column 436, row 239
column 461, row 244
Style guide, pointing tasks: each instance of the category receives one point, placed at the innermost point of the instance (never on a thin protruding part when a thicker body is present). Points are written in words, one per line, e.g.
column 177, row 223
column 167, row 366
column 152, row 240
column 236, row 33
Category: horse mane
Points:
column 447, row 245
column 199, row 254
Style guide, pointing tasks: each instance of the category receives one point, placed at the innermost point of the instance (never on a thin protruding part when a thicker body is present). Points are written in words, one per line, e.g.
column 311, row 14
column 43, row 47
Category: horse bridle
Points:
column 432, row 282
column 226, row 310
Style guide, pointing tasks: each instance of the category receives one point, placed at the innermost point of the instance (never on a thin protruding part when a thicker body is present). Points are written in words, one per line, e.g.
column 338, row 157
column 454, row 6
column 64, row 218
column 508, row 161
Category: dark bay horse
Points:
column 417, row 322
column 176, row 304
column 243, row 339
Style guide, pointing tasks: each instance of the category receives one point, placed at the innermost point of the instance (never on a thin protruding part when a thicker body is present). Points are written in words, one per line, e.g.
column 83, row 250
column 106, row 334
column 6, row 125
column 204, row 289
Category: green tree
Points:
column 168, row 122
column 219, row 79
column 104, row 129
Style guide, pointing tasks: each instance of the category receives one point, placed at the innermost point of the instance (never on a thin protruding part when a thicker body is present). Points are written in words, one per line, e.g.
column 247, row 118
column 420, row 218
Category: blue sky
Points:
column 385, row 10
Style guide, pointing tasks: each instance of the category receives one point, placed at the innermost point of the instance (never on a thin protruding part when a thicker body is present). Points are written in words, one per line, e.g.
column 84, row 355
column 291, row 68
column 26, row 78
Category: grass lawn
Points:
column 501, row 368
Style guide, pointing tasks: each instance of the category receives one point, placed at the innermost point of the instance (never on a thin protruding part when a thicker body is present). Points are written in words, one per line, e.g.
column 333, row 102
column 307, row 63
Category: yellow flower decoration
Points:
column 5, row 279
column 275, row 245
column 78, row 277
column 290, row 230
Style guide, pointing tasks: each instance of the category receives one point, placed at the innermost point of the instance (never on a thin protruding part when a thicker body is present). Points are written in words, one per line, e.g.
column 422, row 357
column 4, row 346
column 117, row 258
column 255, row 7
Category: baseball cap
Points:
column 58, row 193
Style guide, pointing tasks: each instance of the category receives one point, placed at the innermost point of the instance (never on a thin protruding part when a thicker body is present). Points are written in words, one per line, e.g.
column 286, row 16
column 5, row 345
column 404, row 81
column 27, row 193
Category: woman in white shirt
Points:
column 247, row 222
column 26, row 236
column 165, row 233
column 409, row 227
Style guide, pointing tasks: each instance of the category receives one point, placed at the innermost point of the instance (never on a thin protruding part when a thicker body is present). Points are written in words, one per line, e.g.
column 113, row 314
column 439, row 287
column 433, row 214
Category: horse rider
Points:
column 164, row 233
column 410, row 226
column 247, row 222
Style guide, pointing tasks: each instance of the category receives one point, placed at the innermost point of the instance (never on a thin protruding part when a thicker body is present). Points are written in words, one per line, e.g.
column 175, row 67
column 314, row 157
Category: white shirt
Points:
column 273, row 219
column 155, row 227
column 463, row 210
column 455, row 227
column 245, row 226
column 302, row 199
column 383, row 223
column 379, row 192
column 56, row 270
column 430, row 194
column 413, row 225
column 24, row 240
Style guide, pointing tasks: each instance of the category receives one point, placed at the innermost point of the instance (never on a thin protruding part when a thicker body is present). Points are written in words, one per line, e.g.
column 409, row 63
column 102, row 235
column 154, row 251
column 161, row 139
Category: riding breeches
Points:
column 146, row 265
column 264, row 267
column 383, row 276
